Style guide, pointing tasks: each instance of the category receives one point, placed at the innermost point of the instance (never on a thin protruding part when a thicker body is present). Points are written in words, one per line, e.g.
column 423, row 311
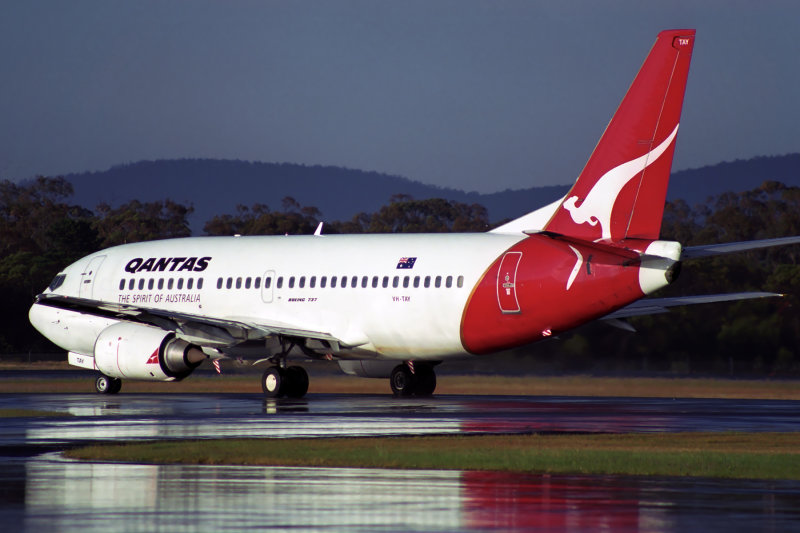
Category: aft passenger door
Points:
column 507, row 283
column 88, row 275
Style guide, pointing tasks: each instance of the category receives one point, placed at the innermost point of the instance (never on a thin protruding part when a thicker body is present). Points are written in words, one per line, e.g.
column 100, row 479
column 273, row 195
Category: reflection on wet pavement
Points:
column 173, row 416
column 41, row 491
column 69, row 496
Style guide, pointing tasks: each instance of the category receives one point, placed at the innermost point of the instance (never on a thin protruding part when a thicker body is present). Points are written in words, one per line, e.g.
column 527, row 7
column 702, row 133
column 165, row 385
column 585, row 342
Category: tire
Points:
column 116, row 385
column 107, row 385
column 426, row 380
column 296, row 382
column 402, row 381
column 273, row 382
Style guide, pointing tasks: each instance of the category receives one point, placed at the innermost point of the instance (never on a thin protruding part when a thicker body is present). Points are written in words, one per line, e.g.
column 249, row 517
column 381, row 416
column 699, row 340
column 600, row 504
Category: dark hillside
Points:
column 215, row 186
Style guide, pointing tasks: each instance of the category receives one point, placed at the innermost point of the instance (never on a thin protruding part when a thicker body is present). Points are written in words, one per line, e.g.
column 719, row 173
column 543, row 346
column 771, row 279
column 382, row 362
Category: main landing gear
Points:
column 107, row 385
column 418, row 380
column 278, row 382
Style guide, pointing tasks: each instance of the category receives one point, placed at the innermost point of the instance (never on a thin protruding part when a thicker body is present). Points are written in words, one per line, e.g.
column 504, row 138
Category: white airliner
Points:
column 396, row 305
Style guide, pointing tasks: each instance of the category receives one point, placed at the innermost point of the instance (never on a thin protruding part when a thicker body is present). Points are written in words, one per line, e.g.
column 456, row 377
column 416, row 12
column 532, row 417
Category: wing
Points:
column 203, row 330
column 652, row 306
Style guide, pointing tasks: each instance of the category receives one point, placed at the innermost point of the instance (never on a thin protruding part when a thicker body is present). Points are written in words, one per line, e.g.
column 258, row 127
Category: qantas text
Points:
column 171, row 264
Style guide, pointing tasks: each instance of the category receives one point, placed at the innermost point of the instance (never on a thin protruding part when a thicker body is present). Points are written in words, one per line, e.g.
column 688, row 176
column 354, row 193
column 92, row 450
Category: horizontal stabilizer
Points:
column 653, row 306
column 708, row 250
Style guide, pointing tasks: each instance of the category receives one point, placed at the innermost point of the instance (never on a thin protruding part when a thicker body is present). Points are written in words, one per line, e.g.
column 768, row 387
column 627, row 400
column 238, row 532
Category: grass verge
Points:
column 30, row 413
column 726, row 455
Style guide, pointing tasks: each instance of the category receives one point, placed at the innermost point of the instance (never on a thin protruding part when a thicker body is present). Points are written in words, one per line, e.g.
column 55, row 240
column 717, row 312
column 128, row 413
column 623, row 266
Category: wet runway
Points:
column 41, row 491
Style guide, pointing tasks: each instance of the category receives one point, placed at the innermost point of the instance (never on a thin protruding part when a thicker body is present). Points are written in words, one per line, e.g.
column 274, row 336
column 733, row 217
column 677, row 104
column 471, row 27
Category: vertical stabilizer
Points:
column 622, row 189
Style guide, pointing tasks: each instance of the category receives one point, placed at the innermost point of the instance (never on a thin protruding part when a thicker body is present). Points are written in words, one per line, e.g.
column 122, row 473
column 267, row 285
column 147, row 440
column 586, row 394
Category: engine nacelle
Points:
column 368, row 368
column 137, row 351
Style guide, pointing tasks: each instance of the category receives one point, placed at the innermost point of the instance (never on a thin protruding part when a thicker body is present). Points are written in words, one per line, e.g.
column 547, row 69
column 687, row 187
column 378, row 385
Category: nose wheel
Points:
column 277, row 382
column 107, row 385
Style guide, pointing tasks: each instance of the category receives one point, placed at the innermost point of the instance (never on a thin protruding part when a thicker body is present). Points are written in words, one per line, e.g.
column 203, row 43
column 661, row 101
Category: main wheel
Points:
column 107, row 385
column 272, row 382
column 296, row 382
column 426, row 380
column 402, row 381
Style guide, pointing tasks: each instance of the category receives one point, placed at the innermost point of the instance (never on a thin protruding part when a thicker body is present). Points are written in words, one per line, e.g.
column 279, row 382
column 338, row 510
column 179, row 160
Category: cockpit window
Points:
column 57, row 282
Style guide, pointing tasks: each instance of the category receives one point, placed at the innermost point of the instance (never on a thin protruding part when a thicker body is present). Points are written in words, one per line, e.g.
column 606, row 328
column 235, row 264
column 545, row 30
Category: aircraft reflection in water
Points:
column 68, row 496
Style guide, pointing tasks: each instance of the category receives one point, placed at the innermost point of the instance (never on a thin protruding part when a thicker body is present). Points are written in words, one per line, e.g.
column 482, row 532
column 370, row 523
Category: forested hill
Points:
column 217, row 186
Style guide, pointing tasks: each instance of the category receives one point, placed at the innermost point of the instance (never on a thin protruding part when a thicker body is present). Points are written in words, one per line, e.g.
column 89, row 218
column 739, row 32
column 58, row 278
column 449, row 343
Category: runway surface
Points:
column 41, row 491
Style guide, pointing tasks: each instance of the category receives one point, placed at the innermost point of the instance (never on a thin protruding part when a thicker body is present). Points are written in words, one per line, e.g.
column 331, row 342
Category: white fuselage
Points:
column 401, row 313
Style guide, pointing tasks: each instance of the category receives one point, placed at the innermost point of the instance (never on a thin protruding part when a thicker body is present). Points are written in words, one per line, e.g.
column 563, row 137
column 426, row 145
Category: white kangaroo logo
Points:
column 599, row 203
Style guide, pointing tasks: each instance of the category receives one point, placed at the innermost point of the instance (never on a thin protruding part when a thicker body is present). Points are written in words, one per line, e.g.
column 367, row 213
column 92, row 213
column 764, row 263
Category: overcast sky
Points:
column 475, row 95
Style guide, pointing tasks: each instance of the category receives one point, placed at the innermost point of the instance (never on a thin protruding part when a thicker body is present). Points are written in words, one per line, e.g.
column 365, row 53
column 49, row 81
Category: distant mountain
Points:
column 215, row 186
column 698, row 184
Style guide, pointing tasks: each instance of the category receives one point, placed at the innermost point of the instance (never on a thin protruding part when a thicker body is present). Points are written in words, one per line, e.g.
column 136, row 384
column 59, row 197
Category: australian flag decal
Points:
column 406, row 262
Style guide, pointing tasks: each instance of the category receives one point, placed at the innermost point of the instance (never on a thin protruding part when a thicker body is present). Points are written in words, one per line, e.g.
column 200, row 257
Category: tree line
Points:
column 41, row 232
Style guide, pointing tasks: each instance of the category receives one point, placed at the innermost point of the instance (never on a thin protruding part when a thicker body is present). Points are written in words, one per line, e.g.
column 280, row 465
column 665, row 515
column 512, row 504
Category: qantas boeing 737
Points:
column 396, row 305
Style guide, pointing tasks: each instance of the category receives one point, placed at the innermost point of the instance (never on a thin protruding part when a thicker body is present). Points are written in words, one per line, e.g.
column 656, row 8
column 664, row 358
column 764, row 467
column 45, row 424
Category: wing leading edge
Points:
column 210, row 332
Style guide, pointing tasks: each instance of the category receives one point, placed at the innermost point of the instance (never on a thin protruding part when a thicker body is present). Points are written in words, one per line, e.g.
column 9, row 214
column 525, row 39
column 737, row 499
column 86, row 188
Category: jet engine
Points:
column 368, row 368
column 137, row 351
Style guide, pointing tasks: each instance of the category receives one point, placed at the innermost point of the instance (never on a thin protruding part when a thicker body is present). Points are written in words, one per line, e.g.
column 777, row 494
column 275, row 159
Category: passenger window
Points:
column 219, row 283
column 180, row 283
column 121, row 284
column 385, row 281
column 200, row 283
column 448, row 282
column 131, row 284
column 229, row 283
column 354, row 281
column 460, row 281
column 291, row 282
column 344, row 282
column 247, row 282
column 141, row 284
column 280, row 282
column 427, row 281
column 438, row 282
column 189, row 284
column 302, row 281
column 374, row 282
column 257, row 283
column 312, row 282
column 405, row 282
column 333, row 282
column 238, row 283
column 416, row 282
column 267, row 282
column 150, row 284
column 160, row 283
column 364, row 281
column 396, row 281
column 323, row 281
column 169, row 284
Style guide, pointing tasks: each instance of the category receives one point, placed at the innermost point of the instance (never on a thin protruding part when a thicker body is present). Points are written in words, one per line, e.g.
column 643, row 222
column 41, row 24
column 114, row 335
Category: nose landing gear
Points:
column 107, row 385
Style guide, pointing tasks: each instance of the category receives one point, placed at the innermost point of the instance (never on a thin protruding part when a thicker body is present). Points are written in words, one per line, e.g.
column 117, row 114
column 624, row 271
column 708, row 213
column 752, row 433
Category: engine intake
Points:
column 137, row 351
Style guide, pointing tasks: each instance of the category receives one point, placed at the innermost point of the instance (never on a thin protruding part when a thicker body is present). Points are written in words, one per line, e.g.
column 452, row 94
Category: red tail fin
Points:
column 621, row 191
